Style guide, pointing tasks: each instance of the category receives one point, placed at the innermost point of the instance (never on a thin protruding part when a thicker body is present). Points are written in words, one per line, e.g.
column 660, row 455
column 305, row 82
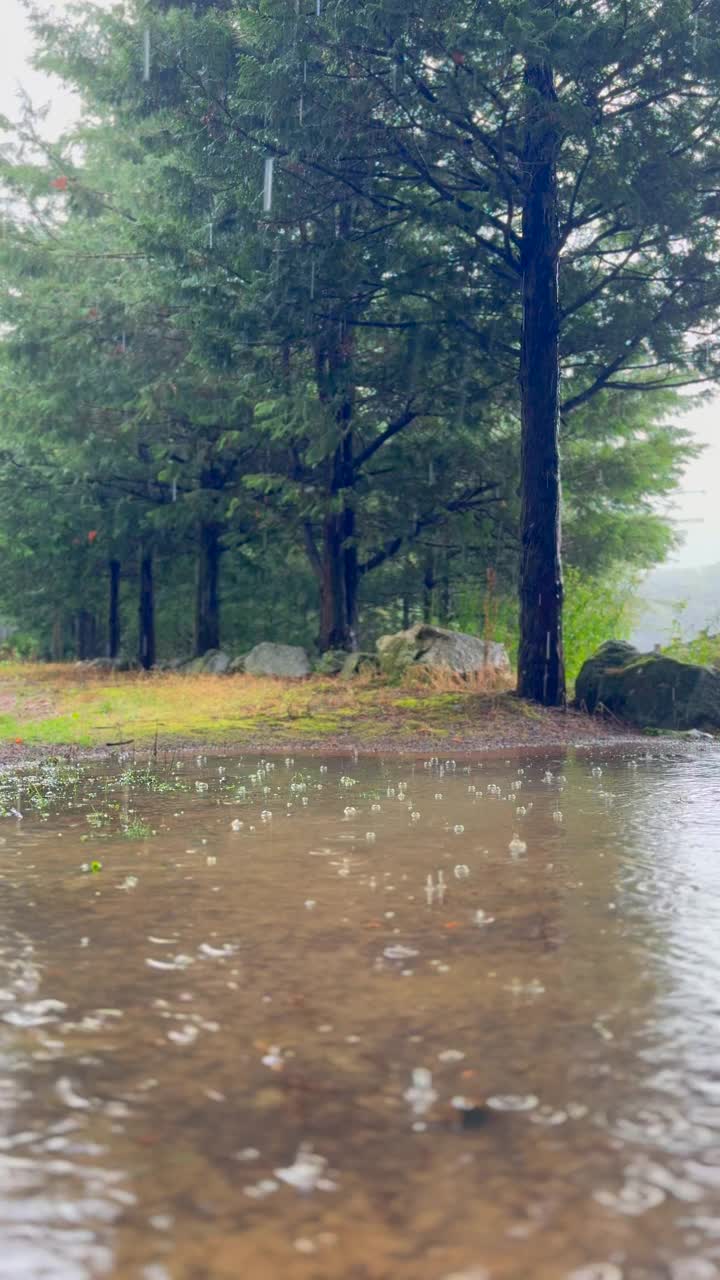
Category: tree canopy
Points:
column 297, row 321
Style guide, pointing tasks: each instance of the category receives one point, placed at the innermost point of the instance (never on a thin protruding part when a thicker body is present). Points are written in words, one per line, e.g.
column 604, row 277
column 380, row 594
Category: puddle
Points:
column 375, row 1021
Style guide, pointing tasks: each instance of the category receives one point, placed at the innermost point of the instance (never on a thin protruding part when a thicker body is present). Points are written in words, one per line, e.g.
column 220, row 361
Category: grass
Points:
column 65, row 705
column 52, row 706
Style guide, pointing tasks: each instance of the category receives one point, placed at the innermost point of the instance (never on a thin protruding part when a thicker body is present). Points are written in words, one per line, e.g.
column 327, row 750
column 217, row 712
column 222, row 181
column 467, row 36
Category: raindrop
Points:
column 268, row 192
column 513, row 1102
column 146, row 54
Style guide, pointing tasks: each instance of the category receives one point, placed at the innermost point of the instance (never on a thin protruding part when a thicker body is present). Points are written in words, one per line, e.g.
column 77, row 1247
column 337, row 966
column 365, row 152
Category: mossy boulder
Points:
column 430, row 646
column 288, row 661
column 359, row 664
column 649, row 690
column 213, row 663
column 331, row 663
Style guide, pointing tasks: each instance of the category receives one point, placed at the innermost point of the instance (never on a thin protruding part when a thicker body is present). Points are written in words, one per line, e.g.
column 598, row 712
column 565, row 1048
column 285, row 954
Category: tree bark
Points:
column 541, row 674
column 57, row 641
column 207, row 599
column 113, row 645
column 338, row 582
column 146, row 611
column 428, row 586
column 85, row 635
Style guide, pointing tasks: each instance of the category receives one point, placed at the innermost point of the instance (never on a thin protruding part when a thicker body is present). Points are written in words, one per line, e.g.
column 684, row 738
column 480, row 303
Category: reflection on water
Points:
column 367, row 1021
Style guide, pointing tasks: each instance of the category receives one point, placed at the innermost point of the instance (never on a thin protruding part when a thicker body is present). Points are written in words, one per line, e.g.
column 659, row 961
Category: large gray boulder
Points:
column 430, row 646
column 650, row 690
column 286, row 660
column 213, row 663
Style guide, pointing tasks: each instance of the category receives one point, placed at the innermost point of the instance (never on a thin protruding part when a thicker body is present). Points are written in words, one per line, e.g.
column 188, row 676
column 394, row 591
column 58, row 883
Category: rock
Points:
column 611, row 654
column 358, row 664
column 213, row 663
column 216, row 662
column 650, row 690
column 287, row 660
column 111, row 664
column 237, row 665
column 436, row 647
column 331, row 663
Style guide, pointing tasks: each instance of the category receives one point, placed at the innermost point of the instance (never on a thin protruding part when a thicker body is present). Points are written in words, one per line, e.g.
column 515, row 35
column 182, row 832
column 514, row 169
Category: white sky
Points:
column 697, row 505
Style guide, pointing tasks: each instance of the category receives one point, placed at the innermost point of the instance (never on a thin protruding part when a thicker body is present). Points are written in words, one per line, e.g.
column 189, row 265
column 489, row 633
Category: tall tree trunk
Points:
column 428, row 586
column 57, row 641
column 113, row 645
column 541, row 674
column 207, row 599
column 339, row 575
column 85, row 635
column 332, row 587
column 146, row 611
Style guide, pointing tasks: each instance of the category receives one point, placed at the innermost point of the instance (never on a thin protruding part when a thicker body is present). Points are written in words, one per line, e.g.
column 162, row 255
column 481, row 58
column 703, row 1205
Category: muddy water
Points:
column 408, row 1021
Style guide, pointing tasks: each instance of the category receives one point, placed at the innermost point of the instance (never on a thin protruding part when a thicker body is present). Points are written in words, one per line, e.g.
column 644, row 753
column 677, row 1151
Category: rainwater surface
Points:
column 362, row 1020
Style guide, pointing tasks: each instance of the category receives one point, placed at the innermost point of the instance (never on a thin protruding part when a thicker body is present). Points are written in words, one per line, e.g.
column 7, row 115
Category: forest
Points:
column 330, row 316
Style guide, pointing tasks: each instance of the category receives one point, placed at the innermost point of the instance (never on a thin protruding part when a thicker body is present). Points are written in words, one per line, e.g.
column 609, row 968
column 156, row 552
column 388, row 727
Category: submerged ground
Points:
column 47, row 706
column 388, row 1020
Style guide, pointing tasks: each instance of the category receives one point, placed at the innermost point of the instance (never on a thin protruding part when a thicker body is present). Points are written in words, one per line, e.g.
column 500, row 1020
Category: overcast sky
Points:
column 697, row 506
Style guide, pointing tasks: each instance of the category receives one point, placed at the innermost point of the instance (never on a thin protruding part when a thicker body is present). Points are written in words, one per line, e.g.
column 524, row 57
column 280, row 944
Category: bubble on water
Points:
column 461, row 871
column 185, row 1035
column 557, row 815
column 236, row 825
column 415, row 816
column 304, row 1245
column 421, row 1095
column 451, row 1055
column 481, row 918
column 210, row 860
column 310, row 903
column 247, row 1155
column 202, row 786
column 458, row 829
column 273, row 1058
column 370, row 836
column 548, row 776
column 349, row 812
column 375, row 808
column 129, row 883
column 399, row 952
column 633, row 1199
column 548, row 1116
column 693, row 1269
column 596, row 771
column 264, row 1188
column 308, row 1172
column 213, row 953
column 266, row 815
column 438, row 795
column 513, row 1102
column 516, row 845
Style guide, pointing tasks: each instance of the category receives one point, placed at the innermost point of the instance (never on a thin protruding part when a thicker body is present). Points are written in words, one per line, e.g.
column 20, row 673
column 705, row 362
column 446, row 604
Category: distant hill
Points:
column 662, row 593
